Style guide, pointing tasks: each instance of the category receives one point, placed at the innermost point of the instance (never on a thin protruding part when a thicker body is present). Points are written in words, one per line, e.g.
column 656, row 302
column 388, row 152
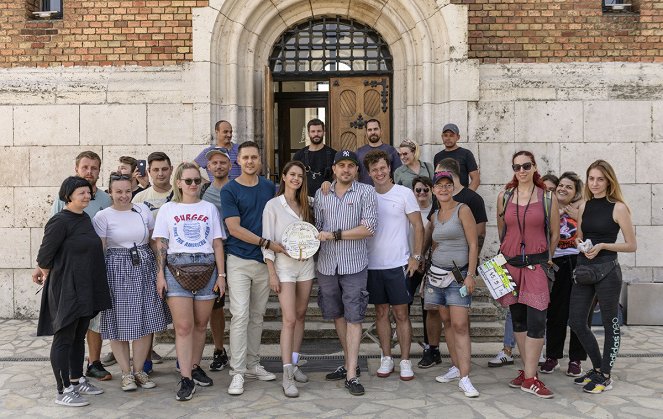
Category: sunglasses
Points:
column 525, row 166
column 120, row 177
column 197, row 181
column 420, row 190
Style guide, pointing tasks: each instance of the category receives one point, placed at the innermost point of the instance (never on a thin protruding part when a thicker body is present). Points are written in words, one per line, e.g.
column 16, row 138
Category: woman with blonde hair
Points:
column 289, row 278
column 188, row 232
column 412, row 167
column 598, row 274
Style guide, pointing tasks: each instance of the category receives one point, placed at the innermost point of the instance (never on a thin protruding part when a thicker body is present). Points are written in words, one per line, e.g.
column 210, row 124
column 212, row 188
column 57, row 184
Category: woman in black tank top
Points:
column 601, row 218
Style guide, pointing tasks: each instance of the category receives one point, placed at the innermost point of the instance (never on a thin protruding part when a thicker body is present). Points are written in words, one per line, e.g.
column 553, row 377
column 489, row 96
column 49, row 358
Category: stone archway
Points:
column 433, row 79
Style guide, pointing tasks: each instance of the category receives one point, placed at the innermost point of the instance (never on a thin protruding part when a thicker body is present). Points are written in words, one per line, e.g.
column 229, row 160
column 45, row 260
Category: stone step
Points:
column 480, row 311
column 480, row 331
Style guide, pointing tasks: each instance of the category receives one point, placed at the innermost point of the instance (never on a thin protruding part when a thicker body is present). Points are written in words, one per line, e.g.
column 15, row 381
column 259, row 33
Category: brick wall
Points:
column 93, row 33
column 508, row 31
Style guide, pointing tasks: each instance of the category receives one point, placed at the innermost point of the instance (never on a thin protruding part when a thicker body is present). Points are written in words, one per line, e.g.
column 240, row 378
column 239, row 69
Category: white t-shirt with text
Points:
column 189, row 228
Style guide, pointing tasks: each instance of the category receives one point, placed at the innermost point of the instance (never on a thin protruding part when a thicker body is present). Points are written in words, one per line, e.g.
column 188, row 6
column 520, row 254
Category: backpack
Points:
column 547, row 209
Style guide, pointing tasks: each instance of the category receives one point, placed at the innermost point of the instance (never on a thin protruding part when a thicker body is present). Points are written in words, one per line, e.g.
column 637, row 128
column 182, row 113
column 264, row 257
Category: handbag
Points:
column 593, row 273
column 438, row 277
column 192, row 276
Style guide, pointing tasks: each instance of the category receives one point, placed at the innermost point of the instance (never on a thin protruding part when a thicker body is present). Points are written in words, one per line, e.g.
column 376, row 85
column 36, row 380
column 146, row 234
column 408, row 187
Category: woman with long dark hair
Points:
column 188, row 231
column 290, row 278
column 125, row 230
column 601, row 218
column 73, row 274
column 569, row 198
column 528, row 243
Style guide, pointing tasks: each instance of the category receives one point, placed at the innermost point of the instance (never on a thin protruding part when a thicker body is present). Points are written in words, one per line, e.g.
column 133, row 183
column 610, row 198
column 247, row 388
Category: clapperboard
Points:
column 497, row 278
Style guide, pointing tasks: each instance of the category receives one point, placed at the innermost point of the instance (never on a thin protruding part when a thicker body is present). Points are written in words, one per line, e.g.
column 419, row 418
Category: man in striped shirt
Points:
column 346, row 217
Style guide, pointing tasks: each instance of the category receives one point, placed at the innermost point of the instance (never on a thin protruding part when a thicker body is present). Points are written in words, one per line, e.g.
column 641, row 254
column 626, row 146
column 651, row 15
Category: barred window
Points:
column 330, row 46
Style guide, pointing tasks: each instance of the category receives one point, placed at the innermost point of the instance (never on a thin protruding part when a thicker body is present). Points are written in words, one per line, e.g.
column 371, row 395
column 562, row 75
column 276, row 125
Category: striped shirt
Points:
column 234, row 171
column 358, row 206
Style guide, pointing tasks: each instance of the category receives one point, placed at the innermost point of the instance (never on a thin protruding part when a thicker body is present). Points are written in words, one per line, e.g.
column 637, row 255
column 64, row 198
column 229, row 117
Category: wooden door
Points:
column 352, row 102
column 268, row 120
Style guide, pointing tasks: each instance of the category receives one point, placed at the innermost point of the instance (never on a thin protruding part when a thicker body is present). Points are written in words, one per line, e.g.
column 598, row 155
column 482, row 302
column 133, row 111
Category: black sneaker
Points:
column 354, row 387
column 430, row 358
column 220, row 360
column 340, row 373
column 98, row 371
column 199, row 377
column 187, row 388
column 586, row 378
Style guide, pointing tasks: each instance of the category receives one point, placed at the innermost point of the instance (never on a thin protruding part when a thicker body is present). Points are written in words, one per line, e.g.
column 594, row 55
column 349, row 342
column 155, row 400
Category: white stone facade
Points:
column 567, row 114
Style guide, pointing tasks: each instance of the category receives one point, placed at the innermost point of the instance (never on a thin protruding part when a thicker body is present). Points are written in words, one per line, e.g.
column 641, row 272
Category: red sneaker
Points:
column 518, row 381
column 536, row 387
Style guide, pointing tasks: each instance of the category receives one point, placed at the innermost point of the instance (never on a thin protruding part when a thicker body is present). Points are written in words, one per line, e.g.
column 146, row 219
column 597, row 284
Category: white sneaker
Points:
column 128, row 382
column 236, row 385
column 501, row 359
column 406, row 370
column 452, row 374
column 386, row 367
column 465, row 385
column 260, row 373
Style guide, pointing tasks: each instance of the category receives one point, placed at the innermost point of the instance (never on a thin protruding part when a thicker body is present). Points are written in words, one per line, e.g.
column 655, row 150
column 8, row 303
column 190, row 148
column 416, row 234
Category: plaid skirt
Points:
column 137, row 309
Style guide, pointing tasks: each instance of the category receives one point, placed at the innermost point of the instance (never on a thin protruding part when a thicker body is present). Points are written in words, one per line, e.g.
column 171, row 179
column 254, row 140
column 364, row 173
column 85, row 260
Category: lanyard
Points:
column 521, row 228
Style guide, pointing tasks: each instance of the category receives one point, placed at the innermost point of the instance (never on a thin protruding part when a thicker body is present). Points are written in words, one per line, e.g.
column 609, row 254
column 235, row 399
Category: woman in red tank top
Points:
column 525, row 240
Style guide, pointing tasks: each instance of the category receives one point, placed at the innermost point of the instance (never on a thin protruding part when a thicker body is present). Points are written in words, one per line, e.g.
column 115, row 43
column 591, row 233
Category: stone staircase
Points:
column 486, row 320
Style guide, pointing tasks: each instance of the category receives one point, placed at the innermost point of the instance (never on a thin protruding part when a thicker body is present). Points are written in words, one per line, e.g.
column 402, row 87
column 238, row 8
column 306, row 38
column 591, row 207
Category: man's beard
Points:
column 374, row 139
column 316, row 140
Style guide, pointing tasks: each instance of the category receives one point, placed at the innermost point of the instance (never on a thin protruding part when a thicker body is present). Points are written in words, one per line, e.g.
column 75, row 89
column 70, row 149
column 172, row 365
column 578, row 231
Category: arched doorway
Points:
column 332, row 68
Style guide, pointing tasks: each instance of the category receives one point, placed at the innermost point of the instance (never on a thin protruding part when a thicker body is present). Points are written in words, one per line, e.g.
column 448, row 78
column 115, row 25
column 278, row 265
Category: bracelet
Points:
column 337, row 234
column 267, row 244
column 261, row 242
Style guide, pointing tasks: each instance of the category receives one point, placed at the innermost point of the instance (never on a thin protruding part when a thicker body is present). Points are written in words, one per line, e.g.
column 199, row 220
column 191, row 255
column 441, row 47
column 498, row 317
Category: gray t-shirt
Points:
column 451, row 242
column 213, row 195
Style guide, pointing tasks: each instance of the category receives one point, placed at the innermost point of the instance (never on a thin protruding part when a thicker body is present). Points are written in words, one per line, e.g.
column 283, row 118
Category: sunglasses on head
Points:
column 526, row 166
column 197, row 181
column 420, row 190
column 120, row 177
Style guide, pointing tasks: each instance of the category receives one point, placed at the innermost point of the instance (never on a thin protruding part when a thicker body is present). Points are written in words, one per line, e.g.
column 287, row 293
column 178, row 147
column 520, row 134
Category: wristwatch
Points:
column 418, row 258
column 223, row 275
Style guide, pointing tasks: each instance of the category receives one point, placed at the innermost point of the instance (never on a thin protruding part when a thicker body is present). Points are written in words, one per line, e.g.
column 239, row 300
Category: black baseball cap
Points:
column 346, row 155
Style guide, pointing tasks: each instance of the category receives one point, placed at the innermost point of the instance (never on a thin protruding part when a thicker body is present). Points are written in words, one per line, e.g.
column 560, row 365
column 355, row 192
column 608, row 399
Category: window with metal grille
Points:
column 327, row 47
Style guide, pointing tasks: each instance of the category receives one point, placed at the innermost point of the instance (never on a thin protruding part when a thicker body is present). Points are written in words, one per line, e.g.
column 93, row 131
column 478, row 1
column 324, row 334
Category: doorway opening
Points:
column 331, row 68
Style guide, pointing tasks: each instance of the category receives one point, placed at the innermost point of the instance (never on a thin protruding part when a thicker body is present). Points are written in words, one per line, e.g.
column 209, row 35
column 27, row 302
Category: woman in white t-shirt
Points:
column 137, row 311
column 290, row 278
column 188, row 230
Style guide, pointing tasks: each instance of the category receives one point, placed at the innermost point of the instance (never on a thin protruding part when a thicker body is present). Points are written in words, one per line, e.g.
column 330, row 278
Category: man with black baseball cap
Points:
column 464, row 157
column 346, row 217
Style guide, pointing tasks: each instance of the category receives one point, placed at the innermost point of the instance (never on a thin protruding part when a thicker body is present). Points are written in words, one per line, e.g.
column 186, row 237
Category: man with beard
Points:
column 469, row 170
column 317, row 157
column 218, row 163
column 224, row 135
column 346, row 217
column 88, row 166
column 373, row 134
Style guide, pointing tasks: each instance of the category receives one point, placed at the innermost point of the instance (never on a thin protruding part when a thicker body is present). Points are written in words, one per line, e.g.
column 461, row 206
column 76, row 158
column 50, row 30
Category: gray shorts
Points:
column 343, row 296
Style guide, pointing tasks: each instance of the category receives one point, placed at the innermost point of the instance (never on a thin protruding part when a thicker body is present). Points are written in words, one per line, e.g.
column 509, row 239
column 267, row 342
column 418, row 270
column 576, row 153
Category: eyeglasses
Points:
column 420, row 190
column 526, row 166
column 197, row 181
column 447, row 186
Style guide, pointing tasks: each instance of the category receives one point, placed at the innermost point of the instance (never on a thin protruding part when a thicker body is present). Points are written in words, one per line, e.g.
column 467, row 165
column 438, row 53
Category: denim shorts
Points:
column 435, row 297
column 174, row 287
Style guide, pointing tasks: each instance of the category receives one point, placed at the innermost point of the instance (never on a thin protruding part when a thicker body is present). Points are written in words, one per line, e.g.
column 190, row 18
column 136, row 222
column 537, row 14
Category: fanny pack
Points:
column 192, row 276
column 593, row 273
column 535, row 259
column 438, row 277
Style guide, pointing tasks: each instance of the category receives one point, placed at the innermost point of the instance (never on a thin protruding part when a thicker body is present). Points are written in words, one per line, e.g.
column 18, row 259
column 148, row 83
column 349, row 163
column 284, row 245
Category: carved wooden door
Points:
column 352, row 102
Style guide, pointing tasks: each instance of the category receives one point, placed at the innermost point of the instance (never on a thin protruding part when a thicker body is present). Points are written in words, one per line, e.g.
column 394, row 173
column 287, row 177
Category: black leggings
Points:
column 582, row 296
column 528, row 319
column 558, row 313
column 68, row 352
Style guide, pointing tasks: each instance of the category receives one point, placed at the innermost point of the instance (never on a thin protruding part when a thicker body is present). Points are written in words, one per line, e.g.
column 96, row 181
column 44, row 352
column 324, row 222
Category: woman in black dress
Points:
column 73, row 274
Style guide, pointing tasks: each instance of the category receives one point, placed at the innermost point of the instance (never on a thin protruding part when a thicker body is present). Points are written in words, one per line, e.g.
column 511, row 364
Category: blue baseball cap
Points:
column 346, row 155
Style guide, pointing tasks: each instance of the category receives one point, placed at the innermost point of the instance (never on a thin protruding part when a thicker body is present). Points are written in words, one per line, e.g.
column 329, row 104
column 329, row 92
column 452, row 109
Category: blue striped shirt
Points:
column 358, row 206
column 234, row 171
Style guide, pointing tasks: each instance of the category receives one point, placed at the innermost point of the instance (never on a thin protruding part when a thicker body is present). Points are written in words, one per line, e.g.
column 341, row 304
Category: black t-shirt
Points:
column 318, row 166
column 465, row 160
column 473, row 200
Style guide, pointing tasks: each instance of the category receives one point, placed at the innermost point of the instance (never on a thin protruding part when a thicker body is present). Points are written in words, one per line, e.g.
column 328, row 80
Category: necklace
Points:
column 521, row 227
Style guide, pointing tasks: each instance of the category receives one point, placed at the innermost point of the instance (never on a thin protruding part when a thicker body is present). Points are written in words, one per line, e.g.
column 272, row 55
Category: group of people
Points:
column 123, row 265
